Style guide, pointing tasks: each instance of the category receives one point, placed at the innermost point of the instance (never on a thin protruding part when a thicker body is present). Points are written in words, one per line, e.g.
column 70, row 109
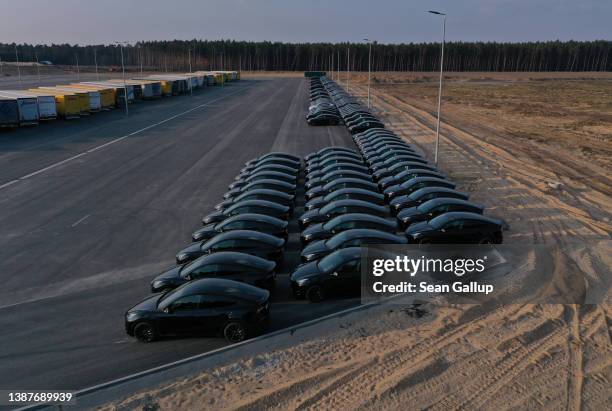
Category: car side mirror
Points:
column 188, row 277
column 335, row 273
column 443, row 230
column 167, row 310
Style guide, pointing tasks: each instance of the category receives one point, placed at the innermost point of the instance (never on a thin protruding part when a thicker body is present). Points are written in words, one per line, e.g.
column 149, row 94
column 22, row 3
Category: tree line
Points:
column 274, row 56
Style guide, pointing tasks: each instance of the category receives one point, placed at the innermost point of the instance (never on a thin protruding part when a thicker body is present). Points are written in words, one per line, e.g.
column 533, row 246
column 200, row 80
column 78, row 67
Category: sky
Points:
column 386, row 21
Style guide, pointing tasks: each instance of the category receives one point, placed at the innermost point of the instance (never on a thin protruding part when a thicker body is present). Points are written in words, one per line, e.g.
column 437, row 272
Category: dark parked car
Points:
column 336, row 167
column 377, row 165
column 408, row 175
column 245, row 241
column 230, row 265
column 350, row 154
column 259, row 194
column 331, row 149
column 249, row 206
column 349, row 238
column 345, row 194
column 271, row 162
column 323, row 231
column 268, row 167
column 335, row 175
column 433, row 208
column 340, row 271
column 264, row 175
column 422, row 195
column 203, row 307
column 339, row 184
column 414, row 184
column 457, row 228
column 276, row 156
column 336, row 208
column 247, row 221
column 269, row 184
column 398, row 167
column 339, row 158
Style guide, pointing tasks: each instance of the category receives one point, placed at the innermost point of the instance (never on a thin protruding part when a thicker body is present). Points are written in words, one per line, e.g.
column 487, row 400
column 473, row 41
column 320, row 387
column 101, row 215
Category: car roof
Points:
column 340, row 203
column 427, row 190
column 270, row 181
column 363, row 232
column 220, row 286
column 243, row 235
column 266, row 191
column 417, row 180
column 456, row 215
column 254, row 217
column 434, row 202
column 233, row 257
column 362, row 217
column 349, row 180
column 348, row 253
column 264, row 203
column 353, row 190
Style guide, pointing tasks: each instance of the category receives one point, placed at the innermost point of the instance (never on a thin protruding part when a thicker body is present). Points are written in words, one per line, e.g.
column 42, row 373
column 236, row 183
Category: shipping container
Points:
column 27, row 107
column 47, row 109
column 94, row 98
column 119, row 90
column 108, row 95
column 67, row 104
column 82, row 98
column 9, row 112
column 148, row 89
column 180, row 83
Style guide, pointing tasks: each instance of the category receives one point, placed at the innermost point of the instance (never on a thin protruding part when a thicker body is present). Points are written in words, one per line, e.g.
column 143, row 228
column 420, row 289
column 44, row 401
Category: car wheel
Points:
column 315, row 293
column 234, row 332
column 145, row 332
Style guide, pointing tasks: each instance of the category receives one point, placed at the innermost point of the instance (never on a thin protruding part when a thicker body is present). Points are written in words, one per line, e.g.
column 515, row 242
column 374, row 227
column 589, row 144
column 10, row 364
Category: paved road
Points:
column 91, row 209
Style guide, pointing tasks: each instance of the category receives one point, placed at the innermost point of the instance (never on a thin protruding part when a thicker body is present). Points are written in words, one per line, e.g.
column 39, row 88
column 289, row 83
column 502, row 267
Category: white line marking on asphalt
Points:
column 80, row 221
column 118, row 139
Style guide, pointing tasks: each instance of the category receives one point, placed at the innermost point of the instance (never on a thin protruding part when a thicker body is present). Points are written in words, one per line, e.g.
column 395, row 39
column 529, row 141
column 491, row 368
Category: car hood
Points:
column 313, row 229
column 315, row 248
column 305, row 271
column 212, row 217
column 315, row 202
column 192, row 248
column 224, row 204
column 408, row 213
column 309, row 214
column 148, row 304
column 314, row 191
column 171, row 274
column 207, row 229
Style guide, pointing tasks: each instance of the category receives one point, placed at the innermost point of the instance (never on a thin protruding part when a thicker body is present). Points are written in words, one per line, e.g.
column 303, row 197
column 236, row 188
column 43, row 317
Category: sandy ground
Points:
column 535, row 149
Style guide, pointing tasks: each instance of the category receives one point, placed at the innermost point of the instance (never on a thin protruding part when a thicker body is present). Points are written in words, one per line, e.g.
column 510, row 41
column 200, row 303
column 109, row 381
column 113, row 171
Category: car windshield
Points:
column 329, row 263
column 427, row 206
column 439, row 221
column 337, row 240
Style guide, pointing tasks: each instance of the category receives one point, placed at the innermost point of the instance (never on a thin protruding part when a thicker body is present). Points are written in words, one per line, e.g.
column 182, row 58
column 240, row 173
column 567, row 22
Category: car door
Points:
column 214, row 313
column 453, row 233
column 348, row 278
column 181, row 316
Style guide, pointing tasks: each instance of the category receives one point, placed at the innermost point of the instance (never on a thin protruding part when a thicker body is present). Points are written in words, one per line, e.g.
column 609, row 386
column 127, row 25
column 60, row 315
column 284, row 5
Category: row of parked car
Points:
column 322, row 110
column 222, row 280
column 384, row 193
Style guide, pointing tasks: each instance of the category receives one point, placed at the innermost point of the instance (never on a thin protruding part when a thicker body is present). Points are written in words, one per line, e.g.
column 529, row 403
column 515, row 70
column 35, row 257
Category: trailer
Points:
column 82, row 97
column 9, row 112
column 67, row 104
column 47, row 109
column 27, row 107
column 108, row 95
column 180, row 83
column 119, row 88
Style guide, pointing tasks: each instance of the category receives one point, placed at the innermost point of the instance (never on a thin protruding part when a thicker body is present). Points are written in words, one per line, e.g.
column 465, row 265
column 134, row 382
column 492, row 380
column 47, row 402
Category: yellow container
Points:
column 82, row 97
column 68, row 105
column 107, row 94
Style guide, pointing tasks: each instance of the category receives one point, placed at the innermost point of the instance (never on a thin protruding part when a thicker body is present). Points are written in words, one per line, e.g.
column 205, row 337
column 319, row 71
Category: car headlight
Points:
column 181, row 257
column 131, row 316
column 302, row 282
column 159, row 284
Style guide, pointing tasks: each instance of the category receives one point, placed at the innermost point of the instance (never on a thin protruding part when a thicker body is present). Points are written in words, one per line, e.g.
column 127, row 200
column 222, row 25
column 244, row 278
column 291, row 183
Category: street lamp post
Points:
column 76, row 56
column 440, row 86
column 37, row 66
column 18, row 68
column 140, row 55
column 125, row 91
column 96, row 63
column 190, row 84
column 369, row 70
column 348, row 68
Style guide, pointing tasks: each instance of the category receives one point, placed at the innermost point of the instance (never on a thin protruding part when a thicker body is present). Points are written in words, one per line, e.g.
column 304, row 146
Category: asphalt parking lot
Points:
column 91, row 209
